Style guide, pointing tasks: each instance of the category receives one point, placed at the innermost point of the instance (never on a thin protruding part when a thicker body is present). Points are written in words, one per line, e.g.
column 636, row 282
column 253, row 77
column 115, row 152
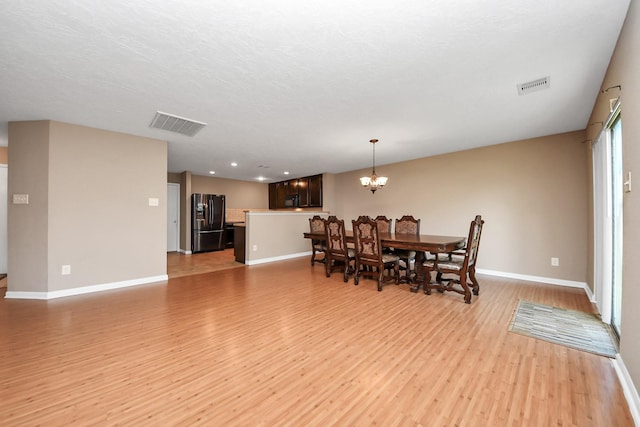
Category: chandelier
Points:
column 374, row 181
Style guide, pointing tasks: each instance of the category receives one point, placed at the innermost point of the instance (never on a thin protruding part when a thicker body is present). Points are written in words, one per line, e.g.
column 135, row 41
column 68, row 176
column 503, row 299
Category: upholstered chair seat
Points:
column 389, row 258
column 446, row 264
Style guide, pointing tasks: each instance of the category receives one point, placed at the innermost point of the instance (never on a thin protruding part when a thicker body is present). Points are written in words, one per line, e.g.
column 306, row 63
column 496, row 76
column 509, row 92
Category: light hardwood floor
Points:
column 179, row 265
column 281, row 344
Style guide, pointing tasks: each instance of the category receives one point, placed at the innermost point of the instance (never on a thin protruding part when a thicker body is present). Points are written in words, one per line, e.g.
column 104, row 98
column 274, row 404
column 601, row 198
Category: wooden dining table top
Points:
column 420, row 242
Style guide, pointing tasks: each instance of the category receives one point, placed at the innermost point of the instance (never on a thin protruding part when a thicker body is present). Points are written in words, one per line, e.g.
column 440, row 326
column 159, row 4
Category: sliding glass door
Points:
column 615, row 128
column 608, row 190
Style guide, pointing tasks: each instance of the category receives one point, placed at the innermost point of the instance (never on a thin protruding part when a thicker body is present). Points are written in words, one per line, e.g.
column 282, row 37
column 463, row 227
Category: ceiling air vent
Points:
column 536, row 85
column 176, row 124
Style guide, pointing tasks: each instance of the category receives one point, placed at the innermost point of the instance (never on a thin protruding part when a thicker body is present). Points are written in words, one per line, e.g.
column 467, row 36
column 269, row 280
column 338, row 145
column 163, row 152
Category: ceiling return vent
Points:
column 534, row 86
column 176, row 124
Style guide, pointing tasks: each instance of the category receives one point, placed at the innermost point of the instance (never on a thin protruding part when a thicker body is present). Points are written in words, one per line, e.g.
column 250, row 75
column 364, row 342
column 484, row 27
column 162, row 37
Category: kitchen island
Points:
column 239, row 232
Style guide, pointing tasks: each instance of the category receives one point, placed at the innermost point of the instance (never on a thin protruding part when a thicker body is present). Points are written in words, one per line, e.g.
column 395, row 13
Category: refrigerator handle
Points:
column 210, row 212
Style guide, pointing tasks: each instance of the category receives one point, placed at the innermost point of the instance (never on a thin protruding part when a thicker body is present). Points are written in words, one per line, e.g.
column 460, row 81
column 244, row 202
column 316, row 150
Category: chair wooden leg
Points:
column 427, row 282
column 346, row 271
column 396, row 273
column 472, row 276
column 467, row 291
column 327, row 267
column 439, row 279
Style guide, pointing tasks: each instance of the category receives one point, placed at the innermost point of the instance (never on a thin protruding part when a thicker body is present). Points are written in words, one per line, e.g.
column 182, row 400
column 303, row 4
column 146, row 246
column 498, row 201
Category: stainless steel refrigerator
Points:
column 207, row 222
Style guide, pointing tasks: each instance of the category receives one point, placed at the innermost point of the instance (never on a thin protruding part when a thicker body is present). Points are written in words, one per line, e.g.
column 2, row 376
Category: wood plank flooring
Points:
column 179, row 265
column 281, row 344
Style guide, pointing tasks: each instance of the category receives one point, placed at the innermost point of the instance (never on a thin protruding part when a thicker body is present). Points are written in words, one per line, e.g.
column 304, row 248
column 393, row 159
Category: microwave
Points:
column 291, row 201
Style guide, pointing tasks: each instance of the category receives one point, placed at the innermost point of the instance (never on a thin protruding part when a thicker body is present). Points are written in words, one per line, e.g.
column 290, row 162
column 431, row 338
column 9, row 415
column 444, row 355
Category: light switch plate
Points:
column 153, row 201
column 627, row 183
column 20, row 199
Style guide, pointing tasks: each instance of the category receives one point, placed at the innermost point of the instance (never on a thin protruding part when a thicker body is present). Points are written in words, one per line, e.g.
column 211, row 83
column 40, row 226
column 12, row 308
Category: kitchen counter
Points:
column 239, row 241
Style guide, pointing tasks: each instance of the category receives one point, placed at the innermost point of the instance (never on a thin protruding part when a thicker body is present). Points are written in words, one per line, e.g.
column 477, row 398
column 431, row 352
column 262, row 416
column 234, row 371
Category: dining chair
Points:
column 407, row 225
column 316, row 225
column 384, row 224
column 370, row 260
column 461, row 263
column 338, row 254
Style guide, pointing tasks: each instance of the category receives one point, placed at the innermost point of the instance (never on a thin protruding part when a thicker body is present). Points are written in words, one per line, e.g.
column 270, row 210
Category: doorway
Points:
column 173, row 217
column 3, row 219
column 615, row 127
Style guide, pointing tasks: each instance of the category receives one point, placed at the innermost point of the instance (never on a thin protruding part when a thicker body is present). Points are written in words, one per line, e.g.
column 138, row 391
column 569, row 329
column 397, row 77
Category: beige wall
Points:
column 239, row 194
column 277, row 235
column 532, row 195
column 623, row 70
column 328, row 192
column 27, row 225
column 89, row 193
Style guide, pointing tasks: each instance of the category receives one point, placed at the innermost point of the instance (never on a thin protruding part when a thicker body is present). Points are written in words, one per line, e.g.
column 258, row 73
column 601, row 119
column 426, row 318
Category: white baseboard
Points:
column 540, row 279
column 183, row 251
column 629, row 389
column 590, row 295
column 84, row 289
column 277, row 258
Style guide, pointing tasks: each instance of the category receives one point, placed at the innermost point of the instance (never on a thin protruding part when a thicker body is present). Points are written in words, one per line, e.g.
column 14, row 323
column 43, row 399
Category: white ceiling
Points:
column 302, row 86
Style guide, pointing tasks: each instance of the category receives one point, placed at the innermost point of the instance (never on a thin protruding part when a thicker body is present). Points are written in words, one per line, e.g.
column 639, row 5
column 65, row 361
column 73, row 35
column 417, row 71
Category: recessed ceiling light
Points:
column 212, row 172
column 234, row 164
column 286, row 172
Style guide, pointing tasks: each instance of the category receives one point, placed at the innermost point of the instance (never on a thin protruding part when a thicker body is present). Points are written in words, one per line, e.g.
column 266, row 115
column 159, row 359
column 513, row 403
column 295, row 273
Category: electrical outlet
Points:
column 555, row 261
column 66, row 270
column 255, row 248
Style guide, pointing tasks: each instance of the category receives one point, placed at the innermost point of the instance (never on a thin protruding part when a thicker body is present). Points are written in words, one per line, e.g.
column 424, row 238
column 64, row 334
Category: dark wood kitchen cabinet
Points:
column 290, row 187
column 277, row 194
column 273, row 195
column 315, row 191
column 306, row 192
column 310, row 191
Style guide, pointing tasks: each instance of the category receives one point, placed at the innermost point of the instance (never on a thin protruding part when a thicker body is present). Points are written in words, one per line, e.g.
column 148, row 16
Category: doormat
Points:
column 574, row 329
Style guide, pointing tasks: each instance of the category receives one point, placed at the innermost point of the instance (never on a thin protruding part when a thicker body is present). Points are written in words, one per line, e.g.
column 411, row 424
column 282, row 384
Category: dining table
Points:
column 414, row 242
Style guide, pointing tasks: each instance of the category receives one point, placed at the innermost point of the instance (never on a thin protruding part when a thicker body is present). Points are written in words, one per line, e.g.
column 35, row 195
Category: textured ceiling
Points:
column 302, row 86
